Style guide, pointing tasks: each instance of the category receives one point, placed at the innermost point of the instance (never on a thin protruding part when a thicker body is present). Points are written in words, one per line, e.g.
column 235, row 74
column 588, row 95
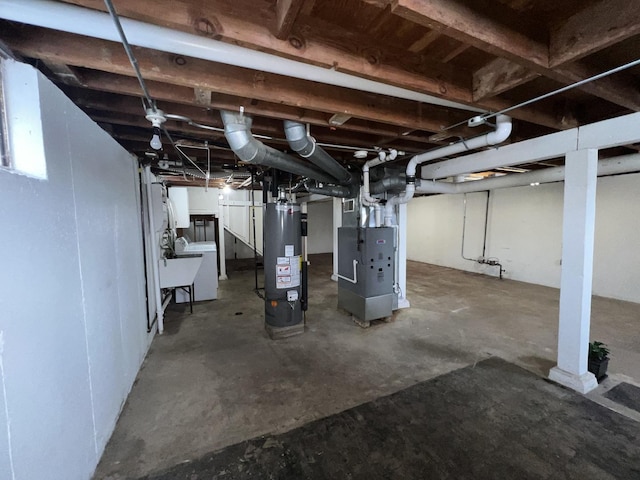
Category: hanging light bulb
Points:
column 157, row 118
column 155, row 142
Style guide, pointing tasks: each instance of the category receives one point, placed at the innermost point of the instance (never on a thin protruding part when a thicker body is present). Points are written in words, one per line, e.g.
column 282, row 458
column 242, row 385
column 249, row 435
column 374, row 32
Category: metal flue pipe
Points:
column 305, row 145
column 237, row 131
column 396, row 182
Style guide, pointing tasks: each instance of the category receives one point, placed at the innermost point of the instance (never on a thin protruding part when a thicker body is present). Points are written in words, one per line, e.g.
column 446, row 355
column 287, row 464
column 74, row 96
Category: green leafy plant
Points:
column 598, row 350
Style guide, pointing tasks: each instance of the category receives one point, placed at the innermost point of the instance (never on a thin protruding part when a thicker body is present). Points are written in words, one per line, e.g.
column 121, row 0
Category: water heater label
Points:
column 288, row 251
column 288, row 271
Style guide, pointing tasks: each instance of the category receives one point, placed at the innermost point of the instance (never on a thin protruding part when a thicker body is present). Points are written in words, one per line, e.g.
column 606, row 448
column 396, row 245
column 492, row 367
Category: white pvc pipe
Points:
column 154, row 250
column 378, row 214
column 367, row 199
column 355, row 274
column 93, row 23
column 499, row 135
column 609, row 166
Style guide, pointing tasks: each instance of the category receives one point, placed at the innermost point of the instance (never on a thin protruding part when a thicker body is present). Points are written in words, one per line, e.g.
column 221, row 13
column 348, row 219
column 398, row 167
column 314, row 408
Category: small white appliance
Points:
column 205, row 285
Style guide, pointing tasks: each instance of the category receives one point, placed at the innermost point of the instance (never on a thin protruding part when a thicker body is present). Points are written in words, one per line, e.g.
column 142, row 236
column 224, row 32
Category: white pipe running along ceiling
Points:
column 499, row 135
column 93, row 23
column 609, row 133
column 609, row 166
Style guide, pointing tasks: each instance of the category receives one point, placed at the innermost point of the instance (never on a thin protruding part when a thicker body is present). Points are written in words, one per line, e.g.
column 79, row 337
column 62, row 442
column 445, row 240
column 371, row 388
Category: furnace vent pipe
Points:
column 397, row 182
column 237, row 131
column 499, row 135
column 609, row 166
column 305, row 145
column 382, row 157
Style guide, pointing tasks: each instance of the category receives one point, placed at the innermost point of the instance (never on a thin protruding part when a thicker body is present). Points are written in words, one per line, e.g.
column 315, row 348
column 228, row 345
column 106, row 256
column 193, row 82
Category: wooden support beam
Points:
column 379, row 22
column 108, row 82
column 321, row 43
column 457, row 20
column 63, row 73
column 286, row 13
column 455, row 52
column 230, row 80
column 424, row 41
column 124, row 110
column 499, row 76
column 620, row 89
column 595, row 27
column 202, row 96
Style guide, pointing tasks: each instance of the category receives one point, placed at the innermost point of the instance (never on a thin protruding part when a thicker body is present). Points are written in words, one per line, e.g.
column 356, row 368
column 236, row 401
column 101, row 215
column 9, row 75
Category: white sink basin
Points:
column 179, row 272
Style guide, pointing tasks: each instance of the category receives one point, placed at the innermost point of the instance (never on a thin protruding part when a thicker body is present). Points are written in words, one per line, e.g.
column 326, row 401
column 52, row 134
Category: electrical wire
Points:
column 175, row 147
column 182, row 118
column 132, row 58
column 549, row 94
column 151, row 103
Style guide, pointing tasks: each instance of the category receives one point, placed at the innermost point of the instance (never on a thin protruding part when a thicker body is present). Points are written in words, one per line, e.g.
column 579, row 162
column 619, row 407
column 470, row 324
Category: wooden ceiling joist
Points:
column 457, row 20
column 319, row 43
column 226, row 79
column 286, row 13
column 485, row 54
column 595, row 27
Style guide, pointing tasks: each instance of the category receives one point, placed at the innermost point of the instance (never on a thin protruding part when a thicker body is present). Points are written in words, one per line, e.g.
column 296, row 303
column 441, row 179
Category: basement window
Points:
column 5, row 158
column 21, row 129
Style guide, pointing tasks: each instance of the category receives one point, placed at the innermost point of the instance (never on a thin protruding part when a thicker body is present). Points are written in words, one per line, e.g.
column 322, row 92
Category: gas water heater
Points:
column 284, row 269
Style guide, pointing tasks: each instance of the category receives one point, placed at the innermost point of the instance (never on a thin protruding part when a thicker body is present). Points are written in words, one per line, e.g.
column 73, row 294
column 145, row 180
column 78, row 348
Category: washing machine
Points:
column 205, row 285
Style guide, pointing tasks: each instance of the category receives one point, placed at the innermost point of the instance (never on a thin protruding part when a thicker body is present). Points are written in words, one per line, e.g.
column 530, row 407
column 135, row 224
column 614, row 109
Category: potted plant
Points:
column 598, row 359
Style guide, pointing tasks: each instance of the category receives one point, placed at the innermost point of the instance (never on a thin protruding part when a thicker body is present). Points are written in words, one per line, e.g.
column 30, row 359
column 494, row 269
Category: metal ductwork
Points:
column 306, row 147
column 392, row 183
column 237, row 131
column 340, row 191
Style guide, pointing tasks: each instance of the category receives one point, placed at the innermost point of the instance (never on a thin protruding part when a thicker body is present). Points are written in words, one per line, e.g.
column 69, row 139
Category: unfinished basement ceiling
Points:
column 484, row 54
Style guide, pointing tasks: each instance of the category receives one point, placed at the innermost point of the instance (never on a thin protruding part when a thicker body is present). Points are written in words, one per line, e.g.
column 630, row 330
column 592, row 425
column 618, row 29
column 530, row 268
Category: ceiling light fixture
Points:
column 157, row 118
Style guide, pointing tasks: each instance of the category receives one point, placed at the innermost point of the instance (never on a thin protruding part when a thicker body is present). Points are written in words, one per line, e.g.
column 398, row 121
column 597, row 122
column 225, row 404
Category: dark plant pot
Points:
column 599, row 367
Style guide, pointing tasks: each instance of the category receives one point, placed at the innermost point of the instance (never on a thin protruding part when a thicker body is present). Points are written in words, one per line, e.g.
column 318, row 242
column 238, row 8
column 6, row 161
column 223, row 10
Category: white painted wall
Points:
column 320, row 227
column 72, row 308
column 238, row 221
column 525, row 233
column 239, row 225
column 203, row 202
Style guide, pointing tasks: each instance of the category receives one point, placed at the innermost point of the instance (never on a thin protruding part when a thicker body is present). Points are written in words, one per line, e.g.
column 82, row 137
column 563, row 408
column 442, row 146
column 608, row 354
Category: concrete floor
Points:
column 215, row 379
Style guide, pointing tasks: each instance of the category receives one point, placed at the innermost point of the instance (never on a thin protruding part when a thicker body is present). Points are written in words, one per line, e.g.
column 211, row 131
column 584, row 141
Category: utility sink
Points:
column 179, row 271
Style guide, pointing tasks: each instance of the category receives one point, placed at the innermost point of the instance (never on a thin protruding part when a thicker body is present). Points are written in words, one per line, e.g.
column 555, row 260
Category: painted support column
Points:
column 221, row 247
column 402, row 256
column 337, row 222
column 578, row 226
